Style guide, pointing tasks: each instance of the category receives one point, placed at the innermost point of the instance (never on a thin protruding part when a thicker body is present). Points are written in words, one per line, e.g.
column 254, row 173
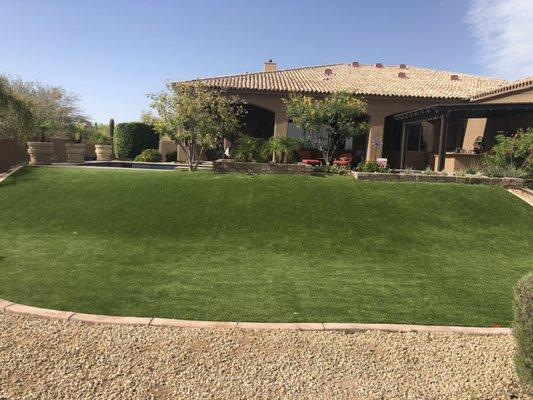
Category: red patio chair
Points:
column 307, row 158
column 344, row 159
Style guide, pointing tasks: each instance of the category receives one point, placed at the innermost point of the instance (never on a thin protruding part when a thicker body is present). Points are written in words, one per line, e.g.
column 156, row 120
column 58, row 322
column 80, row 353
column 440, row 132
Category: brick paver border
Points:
column 9, row 307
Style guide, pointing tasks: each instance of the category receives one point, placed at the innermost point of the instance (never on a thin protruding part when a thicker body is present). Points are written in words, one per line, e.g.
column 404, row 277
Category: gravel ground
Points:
column 46, row 359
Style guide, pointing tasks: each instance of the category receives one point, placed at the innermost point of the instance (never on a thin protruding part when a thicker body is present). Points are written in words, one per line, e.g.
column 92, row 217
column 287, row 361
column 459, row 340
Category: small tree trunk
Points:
column 191, row 155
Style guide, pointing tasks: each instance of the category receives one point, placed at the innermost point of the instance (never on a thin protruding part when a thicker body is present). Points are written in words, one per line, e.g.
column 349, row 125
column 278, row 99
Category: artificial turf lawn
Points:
column 261, row 248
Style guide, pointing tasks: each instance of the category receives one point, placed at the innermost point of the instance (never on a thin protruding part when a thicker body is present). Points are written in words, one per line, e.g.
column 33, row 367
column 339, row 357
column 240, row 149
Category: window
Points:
column 415, row 138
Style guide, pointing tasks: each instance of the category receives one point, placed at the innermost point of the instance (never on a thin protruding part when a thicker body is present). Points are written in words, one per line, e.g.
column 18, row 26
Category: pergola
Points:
column 446, row 112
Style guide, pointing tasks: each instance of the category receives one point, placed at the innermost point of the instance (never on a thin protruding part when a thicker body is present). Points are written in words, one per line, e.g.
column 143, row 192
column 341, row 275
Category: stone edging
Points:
column 9, row 307
column 418, row 177
column 524, row 194
column 229, row 165
column 7, row 174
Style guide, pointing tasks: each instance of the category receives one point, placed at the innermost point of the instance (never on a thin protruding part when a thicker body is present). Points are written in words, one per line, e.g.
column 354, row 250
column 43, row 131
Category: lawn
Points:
column 261, row 248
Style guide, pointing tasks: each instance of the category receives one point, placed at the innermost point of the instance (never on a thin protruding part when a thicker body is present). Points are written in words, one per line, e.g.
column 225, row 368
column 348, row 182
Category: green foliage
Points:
column 78, row 131
column 195, row 115
column 131, row 138
column 149, row 155
column 53, row 111
column 371, row 166
column 511, row 156
column 248, row 148
column 330, row 169
column 280, row 149
column 328, row 122
column 172, row 156
column 429, row 171
column 523, row 329
column 12, row 104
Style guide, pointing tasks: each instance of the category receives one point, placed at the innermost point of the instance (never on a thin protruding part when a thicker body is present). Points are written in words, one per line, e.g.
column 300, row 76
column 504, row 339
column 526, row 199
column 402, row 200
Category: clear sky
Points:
column 114, row 52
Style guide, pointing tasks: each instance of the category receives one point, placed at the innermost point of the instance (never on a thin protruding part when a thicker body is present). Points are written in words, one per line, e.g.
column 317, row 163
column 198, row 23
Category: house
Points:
column 398, row 96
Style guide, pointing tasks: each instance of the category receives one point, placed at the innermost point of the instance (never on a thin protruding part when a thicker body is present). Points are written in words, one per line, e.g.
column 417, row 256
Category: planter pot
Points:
column 103, row 152
column 75, row 152
column 40, row 153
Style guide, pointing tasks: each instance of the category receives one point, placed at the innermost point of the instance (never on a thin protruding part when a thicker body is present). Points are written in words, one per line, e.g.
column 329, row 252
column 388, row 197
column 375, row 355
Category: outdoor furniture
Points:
column 345, row 159
column 306, row 157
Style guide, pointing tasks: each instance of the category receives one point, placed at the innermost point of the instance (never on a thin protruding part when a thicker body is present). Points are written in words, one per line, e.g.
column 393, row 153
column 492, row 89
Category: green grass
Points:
column 261, row 248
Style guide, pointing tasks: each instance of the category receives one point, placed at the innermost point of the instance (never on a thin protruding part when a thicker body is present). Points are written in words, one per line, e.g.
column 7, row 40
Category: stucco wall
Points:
column 379, row 107
column 12, row 152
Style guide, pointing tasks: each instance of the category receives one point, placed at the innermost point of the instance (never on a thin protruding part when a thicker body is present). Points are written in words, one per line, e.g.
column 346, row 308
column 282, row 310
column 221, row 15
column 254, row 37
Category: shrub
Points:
column 508, row 170
column 172, row 156
column 248, row 149
column 280, row 149
column 511, row 156
column 523, row 329
column 149, row 155
column 371, row 166
column 131, row 138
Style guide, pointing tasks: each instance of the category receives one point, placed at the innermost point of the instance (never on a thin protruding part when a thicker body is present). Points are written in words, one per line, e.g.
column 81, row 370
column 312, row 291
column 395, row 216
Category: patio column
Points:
column 376, row 132
column 403, row 145
column 281, row 124
column 442, row 140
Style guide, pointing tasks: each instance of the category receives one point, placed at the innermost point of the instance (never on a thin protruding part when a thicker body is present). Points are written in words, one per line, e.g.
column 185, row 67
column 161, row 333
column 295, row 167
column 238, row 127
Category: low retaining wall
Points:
column 222, row 166
column 482, row 180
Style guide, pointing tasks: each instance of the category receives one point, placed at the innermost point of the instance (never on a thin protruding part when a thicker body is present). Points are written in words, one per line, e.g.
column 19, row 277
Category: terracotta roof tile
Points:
column 362, row 79
column 519, row 84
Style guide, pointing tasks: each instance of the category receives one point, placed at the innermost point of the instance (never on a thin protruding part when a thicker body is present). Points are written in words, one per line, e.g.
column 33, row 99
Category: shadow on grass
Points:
column 25, row 172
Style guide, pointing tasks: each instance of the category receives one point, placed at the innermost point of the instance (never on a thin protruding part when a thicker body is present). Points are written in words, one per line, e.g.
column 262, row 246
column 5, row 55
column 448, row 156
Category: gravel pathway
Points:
column 47, row 359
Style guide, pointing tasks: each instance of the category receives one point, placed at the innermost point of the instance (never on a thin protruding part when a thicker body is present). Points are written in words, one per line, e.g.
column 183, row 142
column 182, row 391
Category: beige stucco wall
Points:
column 379, row 107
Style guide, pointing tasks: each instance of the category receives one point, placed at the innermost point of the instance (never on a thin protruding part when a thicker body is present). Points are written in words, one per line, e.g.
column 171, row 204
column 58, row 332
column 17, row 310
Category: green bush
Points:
column 172, row 156
column 248, row 149
column 149, row 155
column 523, row 329
column 131, row 138
column 280, row 149
column 511, row 156
column 371, row 166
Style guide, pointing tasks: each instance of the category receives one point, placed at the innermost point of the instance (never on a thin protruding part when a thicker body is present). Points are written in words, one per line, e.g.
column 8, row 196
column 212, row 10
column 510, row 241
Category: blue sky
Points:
column 114, row 52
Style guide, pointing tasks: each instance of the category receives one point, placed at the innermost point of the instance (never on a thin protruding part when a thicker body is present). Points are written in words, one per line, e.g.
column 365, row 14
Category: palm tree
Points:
column 10, row 102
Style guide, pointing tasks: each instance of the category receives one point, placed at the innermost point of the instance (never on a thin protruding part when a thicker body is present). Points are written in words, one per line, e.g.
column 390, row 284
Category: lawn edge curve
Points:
column 8, row 307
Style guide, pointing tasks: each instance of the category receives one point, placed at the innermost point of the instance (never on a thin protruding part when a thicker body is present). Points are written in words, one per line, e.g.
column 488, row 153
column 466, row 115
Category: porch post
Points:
column 442, row 141
column 403, row 145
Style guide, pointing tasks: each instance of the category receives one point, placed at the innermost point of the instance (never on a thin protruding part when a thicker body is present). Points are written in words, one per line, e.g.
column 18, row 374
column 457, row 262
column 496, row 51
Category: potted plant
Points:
column 41, row 151
column 75, row 147
column 102, row 146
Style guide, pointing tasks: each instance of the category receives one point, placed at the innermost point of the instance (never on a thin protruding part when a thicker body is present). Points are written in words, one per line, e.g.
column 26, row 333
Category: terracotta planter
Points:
column 40, row 153
column 75, row 152
column 103, row 152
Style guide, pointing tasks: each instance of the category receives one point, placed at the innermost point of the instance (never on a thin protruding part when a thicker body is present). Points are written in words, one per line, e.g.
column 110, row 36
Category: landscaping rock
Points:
column 50, row 359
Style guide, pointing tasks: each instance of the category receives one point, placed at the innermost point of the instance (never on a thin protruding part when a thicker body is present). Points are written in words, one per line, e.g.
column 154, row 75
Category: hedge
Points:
column 131, row 138
column 149, row 155
column 523, row 330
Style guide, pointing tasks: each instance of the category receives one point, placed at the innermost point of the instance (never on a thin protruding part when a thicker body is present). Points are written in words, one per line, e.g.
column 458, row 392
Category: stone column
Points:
column 281, row 124
column 376, row 132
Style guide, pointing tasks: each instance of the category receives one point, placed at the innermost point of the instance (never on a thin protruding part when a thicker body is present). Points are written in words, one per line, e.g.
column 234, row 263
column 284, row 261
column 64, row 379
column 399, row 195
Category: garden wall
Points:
column 222, row 166
column 12, row 152
column 484, row 180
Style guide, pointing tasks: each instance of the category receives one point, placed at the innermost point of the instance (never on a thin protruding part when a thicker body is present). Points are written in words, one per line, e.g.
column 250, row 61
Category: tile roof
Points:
column 513, row 86
column 361, row 79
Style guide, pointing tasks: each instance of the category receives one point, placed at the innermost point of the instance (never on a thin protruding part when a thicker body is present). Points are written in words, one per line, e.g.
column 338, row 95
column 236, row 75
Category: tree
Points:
column 52, row 108
column 327, row 123
column 194, row 115
column 10, row 103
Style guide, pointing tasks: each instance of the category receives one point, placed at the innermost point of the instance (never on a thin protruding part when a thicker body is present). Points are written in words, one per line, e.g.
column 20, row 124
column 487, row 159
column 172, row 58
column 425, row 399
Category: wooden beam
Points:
column 442, row 141
column 403, row 146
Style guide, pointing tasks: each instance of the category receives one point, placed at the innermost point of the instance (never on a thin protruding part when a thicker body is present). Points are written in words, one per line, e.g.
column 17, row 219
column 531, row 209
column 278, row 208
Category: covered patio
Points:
column 479, row 123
